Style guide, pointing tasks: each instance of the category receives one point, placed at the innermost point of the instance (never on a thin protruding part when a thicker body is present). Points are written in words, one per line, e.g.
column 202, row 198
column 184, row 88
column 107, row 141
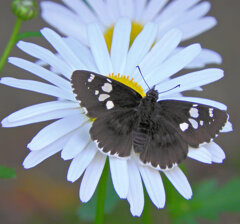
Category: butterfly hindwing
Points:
column 161, row 147
column 112, row 132
column 98, row 94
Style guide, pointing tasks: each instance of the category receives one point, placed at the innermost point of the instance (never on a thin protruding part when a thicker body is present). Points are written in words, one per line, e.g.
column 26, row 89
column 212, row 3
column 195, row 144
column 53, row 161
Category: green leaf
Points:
column 87, row 211
column 208, row 202
column 6, row 173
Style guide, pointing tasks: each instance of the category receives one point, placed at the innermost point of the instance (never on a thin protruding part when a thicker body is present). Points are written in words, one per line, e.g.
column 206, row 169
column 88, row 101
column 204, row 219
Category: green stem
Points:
column 11, row 43
column 101, row 196
column 147, row 218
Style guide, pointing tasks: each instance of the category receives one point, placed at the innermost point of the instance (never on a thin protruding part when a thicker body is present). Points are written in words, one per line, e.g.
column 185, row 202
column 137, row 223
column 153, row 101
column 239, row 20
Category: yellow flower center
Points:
column 136, row 29
column 126, row 80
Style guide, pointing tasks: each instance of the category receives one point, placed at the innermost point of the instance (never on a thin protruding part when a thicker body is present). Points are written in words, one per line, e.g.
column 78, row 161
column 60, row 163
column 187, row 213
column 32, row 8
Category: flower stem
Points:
column 101, row 196
column 147, row 218
column 11, row 43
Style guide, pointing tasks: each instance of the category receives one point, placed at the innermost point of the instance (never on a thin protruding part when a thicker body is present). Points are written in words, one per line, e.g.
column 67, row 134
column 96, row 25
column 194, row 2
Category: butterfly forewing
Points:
column 113, row 132
column 98, row 94
column 196, row 123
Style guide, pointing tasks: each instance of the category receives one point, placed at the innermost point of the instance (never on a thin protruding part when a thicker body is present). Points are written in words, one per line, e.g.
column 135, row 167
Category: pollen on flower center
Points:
column 128, row 82
column 136, row 29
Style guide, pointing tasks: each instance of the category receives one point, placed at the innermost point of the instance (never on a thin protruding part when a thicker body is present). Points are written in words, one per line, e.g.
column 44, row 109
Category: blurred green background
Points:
column 42, row 194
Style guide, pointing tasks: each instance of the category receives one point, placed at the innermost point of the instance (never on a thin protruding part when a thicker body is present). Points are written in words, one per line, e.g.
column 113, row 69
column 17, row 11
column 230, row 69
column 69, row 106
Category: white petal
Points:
column 46, row 56
column 190, row 81
column 174, row 8
column 179, row 19
column 195, row 13
column 201, row 154
column 41, row 72
column 113, row 10
column 120, row 178
column 82, row 52
column 216, row 152
column 121, row 34
column 227, row 128
column 154, row 185
column 135, row 195
column 64, row 20
column 55, row 131
column 206, row 57
column 139, row 9
column 53, row 115
column 38, row 87
column 126, row 8
column 152, row 9
column 140, row 47
column 99, row 49
column 174, row 64
column 179, row 181
column 77, row 142
column 197, row 27
column 91, row 177
column 203, row 101
column 160, row 51
column 41, row 112
column 81, row 162
column 99, row 7
column 82, row 10
column 36, row 157
column 62, row 48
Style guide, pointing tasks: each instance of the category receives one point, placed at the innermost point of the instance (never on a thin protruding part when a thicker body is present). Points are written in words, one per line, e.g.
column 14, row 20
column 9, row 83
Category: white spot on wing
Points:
column 96, row 92
column 184, row 126
column 91, row 78
column 195, row 105
column 211, row 112
column 109, row 80
column 107, row 87
column 194, row 112
column 201, row 123
column 109, row 105
column 103, row 97
column 193, row 123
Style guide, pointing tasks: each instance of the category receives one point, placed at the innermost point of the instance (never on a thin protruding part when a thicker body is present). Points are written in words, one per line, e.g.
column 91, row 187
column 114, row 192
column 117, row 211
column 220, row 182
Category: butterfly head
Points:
column 152, row 94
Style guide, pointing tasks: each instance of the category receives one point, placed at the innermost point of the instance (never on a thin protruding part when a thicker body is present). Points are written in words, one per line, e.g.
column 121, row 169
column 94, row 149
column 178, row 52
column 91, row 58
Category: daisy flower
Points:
column 70, row 132
column 188, row 16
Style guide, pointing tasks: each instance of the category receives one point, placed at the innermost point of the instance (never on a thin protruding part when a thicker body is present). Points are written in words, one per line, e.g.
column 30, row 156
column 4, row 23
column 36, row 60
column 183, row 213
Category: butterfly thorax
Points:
column 148, row 105
column 147, row 110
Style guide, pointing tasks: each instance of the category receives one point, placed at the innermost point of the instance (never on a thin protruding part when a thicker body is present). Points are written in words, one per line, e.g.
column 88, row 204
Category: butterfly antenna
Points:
column 142, row 76
column 170, row 89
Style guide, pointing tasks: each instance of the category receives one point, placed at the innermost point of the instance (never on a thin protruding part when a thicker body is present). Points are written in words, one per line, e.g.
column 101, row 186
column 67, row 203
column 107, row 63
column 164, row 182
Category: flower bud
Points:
column 25, row 9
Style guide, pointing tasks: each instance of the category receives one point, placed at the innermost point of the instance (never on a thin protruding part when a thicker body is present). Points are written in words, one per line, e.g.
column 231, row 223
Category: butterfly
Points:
column 160, row 132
